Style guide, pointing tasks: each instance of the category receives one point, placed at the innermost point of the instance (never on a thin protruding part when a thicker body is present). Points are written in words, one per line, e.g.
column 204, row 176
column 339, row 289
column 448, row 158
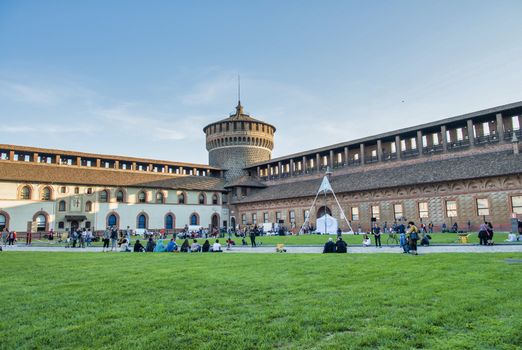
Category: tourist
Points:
column 81, row 236
column 106, row 239
column 377, row 235
column 195, row 247
column 114, row 237
column 329, row 246
column 138, row 247
column 206, row 247
column 253, row 238
column 490, row 233
column 430, row 227
column 455, row 228
column 216, row 247
column 171, row 246
column 185, row 246
column 5, row 235
column 150, row 245
column 404, row 243
column 366, row 241
column 483, row 234
column 425, row 240
column 51, row 235
column 340, row 245
column 28, row 238
column 339, row 232
column 413, row 236
column 160, row 247
column 124, row 248
column 444, row 228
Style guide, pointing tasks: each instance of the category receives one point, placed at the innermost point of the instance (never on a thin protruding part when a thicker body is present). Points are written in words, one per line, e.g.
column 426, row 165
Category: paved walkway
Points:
column 471, row 248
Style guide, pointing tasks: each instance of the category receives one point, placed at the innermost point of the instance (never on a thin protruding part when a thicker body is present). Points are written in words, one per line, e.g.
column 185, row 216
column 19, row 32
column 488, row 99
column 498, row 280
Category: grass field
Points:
column 260, row 301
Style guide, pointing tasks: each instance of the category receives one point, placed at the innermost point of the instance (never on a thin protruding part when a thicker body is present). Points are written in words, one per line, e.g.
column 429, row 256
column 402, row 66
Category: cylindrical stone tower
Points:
column 238, row 142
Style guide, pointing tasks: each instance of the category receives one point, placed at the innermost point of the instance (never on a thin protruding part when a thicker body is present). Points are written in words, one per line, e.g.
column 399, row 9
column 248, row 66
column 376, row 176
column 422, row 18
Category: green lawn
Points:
column 260, row 301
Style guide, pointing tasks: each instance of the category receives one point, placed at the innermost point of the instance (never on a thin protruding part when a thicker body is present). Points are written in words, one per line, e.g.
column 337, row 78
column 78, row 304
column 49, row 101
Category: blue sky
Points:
column 142, row 78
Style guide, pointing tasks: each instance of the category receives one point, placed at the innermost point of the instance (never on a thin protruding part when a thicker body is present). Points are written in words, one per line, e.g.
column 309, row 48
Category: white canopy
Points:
column 331, row 225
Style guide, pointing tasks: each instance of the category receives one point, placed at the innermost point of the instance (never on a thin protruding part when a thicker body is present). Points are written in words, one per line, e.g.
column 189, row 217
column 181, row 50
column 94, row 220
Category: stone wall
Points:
column 235, row 158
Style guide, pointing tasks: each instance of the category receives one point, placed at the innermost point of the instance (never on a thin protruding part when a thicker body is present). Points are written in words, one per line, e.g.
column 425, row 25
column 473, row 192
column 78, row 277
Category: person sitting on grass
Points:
column 341, row 246
column 185, row 246
column 138, row 247
column 216, row 247
column 160, row 247
column 172, row 246
column 206, row 247
column 124, row 247
column 366, row 241
column 195, row 247
column 329, row 246
column 425, row 241
column 150, row 245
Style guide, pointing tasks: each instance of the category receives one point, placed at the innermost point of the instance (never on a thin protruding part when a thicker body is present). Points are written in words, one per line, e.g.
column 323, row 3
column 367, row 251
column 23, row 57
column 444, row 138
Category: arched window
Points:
column 142, row 197
column 215, row 199
column 46, row 194
column 104, row 196
column 88, row 206
column 25, row 192
column 120, row 196
column 201, row 198
column 169, row 222
column 61, row 206
column 181, row 198
column 41, row 223
column 194, row 219
column 160, row 197
column 3, row 222
column 142, row 221
column 112, row 220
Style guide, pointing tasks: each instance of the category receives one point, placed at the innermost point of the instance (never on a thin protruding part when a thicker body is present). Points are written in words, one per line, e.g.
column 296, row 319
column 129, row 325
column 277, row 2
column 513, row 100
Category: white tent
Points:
column 331, row 225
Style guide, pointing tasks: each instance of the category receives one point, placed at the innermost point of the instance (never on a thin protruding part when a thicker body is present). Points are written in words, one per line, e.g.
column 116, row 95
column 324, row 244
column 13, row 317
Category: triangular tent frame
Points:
column 325, row 188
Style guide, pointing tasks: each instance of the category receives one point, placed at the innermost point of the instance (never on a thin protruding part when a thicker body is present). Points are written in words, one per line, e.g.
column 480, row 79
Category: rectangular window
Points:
column 460, row 135
column 397, row 211
column 356, row 156
column 374, row 153
column 243, row 219
column 435, row 139
column 393, row 148
column 325, row 160
column 413, row 143
column 424, row 141
column 278, row 216
column 265, row 218
column 355, row 213
column 451, row 209
column 516, row 204
column 403, row 145
column 254, row 219
column 515, row 123
column 482, row 206
column 243, row 191
column 485, row 128
column 376, row 212
column 291, row 214
column 311, row 163
column 423, row 209
column 306, row 214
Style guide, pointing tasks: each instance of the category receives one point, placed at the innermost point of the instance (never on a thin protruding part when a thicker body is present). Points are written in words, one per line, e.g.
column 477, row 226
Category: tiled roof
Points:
column 60, row 174
column 470, row 167
column 245, row 181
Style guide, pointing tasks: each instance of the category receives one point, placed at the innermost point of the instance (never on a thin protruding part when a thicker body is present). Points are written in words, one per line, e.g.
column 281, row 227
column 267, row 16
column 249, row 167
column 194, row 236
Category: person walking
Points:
column 377, row 234
column 106, row 239
column 413, row 237
column 11, row 237
column 29, row 238
column 253, row 238
column 114, row 238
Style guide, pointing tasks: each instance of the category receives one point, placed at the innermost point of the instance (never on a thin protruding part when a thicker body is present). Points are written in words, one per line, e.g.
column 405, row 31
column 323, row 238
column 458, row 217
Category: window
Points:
column 291, row 215
column 516, row 204
column 515, row 123
column 435, row 139
column 181, row 198
column 112, row 220
column 41, row 223
column 194, row 219
column 120, row 196
column 423, row 209
column 160, row 197
column 485, row 129
column 355, row 213
column 76, row 190
column 142, row 221
column 451, row 209
column 482, row 206
column 63, row 189
column 169, row 222
column 243, row 191
column 376, row 213
column 306, row 214
column 278, row 216
column 88, row 206
column 215, row 199
column 254, row 219
column 61, row 206
column 243, row 219
column 265, row 217
column 104, row 196
column 61, row 225
column 3, row 222
column 89, row 190
column 46, row 194
column 201, row 198
column 25, row 193
column 142, row 197
column 460, row 134
column 397, row 211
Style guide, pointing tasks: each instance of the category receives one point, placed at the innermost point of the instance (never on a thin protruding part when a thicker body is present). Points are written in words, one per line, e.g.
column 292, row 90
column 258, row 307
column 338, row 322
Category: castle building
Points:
column 463, row 169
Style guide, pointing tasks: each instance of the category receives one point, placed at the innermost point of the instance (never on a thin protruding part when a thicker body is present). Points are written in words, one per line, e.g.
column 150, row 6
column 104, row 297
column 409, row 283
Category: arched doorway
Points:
column 215, row 221
column 233, row 223
column 74, row 225
column 320, row 211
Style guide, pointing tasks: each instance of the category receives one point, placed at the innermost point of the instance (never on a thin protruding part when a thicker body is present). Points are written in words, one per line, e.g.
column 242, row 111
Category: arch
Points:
column 182, row 198
column 320, row 211
column 104, row 196
column 215, row 199
column 41, row 218
column 88, row 206
column 194, row 219
column 25, row 192
column 170, row 221
column 112, row 219
column 4, row 220
column 214, row 220
column 142, row 220
column 202, row 198
column 62, row 206
column 46, row 194
column 141, row 197
column 232, row 222
column 160, row 197
column 121, row 195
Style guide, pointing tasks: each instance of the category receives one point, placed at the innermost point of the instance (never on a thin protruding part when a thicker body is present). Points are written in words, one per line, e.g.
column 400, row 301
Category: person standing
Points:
column 490, row 233
column 483, row 234
column 253, row 238
column 5, row 235
column 29, row 238
column 11, row 237
column 106, row 239
column 413, row 236
column 114, row 238
column 377, row 234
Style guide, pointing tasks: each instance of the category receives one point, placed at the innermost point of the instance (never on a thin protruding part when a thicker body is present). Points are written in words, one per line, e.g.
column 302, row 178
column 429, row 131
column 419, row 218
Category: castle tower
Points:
column 237, row 142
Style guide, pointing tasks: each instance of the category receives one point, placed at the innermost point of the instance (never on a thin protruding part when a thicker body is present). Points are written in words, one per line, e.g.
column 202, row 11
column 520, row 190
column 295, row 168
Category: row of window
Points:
column 142, row 220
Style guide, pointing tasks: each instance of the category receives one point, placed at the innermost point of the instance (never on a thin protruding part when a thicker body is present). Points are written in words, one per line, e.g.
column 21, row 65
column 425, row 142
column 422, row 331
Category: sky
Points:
column 142, row 78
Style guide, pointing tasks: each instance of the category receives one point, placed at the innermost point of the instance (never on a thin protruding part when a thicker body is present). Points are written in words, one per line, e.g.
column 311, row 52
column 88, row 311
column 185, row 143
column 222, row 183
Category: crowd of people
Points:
column 158, row 246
